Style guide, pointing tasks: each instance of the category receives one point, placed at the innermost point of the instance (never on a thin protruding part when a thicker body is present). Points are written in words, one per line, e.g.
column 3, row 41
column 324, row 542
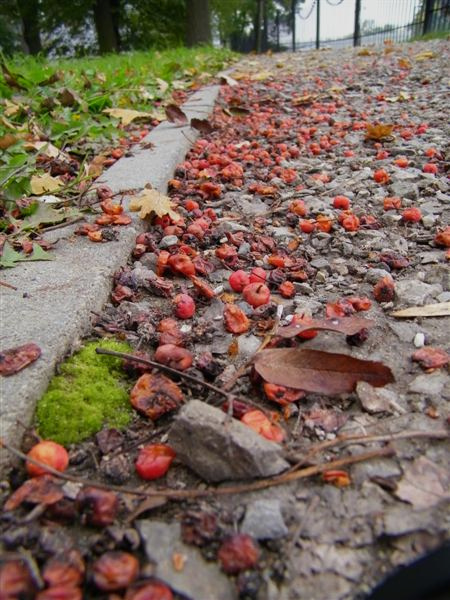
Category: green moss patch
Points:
column 90, row 392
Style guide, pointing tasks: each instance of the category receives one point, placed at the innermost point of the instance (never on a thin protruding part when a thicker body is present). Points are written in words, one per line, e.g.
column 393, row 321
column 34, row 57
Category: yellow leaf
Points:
column 95, row 167
column 152, row 201
column 11, row 108
column 40, row 184
column 127, row 115
column 404, row 63
column 45, row 148
column 306, row 99
column 262, row 76
column 163, row 85
column 424, row 56
column 378, row 132
column 365, row 52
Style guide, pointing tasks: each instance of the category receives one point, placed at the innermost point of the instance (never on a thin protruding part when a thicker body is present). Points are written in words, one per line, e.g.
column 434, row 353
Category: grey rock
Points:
column 444, row 297
column 427, row 258
column 218, row 447
column 302, row 288
column 232, row 227
column 252, row 206
column 404, row 190
column 282, row 232
column 197, row 579
column 429, row 385
column 376, row 400
column 415, row 292
column 149, row 260
column 439, row 274
column 321, row 263
column 168, row 240
column 248, row 345
column 263, row 520
column 404, row 331
column 374, row 275
column 244, row 249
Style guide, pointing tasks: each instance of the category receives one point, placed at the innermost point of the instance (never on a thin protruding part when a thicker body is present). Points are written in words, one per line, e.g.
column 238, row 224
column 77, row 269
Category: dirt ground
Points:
column 294, row 128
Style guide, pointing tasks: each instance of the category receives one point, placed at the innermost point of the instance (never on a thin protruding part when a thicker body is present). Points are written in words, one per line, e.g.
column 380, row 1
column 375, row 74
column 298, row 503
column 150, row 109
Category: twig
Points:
column 221, row 491
column 158, row 365
column 63, row 224
column 8, row 285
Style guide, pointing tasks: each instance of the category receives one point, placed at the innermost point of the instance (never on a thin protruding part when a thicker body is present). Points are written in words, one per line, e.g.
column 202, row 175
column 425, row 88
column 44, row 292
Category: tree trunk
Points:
column 265, row 40
column 29, row 13
column 258, row 21
column 198, row 23
column 104, row 25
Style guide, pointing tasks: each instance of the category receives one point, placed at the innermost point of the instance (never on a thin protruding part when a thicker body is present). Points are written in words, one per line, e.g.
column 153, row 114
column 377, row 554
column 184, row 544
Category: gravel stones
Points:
column 263, row 520
column 218, row 447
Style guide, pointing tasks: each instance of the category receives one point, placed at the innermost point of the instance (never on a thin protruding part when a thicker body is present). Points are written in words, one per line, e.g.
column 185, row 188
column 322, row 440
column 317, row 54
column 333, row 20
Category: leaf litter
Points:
column 206, row 193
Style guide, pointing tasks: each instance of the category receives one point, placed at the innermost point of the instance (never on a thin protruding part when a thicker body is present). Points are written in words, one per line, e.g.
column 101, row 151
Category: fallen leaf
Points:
column 95, row 167
column 11, row 108
column 227, row 80
column 424, row 484
column 261, row 76
column 174, row 114
column 15, row 359
column 442, row 309
column 152, row 201
column 40, row 184
column 345, row 325
column 424, row 56
column 304, row 100
column 45, row 148
column 7, row 140
column 46, row 214
column 375, row 400
column 127, row 115
column 202, row 125
column 68, row 97
column 146, row 505
column 37, row 490
column 154, row 395
column 378, row 132
column 319, row 372
column 327, row 419
column 162, row 85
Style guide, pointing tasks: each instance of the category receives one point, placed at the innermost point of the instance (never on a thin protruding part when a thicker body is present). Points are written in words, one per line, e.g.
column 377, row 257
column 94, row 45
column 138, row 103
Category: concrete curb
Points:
column 54, row 300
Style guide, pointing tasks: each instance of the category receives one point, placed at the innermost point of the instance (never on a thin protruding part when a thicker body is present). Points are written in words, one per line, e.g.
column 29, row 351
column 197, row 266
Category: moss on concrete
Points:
column 91, row 391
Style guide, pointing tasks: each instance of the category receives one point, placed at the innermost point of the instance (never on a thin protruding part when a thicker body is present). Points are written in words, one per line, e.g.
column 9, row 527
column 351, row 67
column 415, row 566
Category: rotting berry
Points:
column 173, row 356
column 256, row 294
column 115, row 571
column 97, row 507
column 235, row 319
column 238, row 553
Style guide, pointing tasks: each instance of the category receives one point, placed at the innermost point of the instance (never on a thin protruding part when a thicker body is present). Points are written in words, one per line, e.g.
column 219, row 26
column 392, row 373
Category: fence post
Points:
column 428, row 16
column 318, row 24
column 357, row 30
column 293, row 9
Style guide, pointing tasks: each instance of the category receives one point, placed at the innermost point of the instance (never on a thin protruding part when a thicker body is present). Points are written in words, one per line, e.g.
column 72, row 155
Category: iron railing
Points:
column 397, row 20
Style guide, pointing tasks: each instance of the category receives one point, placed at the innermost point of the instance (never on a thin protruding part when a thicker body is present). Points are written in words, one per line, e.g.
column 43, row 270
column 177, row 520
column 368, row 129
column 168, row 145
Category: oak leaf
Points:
column 152, row 201
column 127, row 115
column 379, row 131
column 345, row 325
column 40, row 184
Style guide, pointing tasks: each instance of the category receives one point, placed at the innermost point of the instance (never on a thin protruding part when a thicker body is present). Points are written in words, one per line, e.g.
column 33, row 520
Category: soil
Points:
column 293, row 127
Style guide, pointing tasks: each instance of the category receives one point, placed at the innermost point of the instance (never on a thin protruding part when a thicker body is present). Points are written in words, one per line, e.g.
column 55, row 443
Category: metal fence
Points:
column 363, row 22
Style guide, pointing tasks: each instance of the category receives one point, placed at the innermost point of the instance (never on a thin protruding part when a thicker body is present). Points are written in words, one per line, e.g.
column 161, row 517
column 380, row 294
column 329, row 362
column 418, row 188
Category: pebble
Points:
column 263, row 520
column 419, row 340
column 167, row 241
column 416, row 293
column 429, row 384
column 374, row 275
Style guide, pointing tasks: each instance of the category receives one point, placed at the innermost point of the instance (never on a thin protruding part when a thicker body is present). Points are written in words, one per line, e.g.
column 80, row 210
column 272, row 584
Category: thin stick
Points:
column 222, row 491
column 158, row 365
column 8, row 285
column 64, row 224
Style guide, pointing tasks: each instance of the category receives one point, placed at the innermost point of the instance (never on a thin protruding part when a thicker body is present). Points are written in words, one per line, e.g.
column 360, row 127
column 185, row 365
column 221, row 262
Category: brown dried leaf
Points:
column 202, row 125
column 345, row 325
column 317, row 371
column 442, row 309
column 378, row 132
column 15, row 359
column 424, row 484
column 37, row 490
column 174, row 114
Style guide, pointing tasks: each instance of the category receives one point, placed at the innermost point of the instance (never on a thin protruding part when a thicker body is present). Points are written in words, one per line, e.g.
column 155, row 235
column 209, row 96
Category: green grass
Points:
column 433, row 35
column 62, row 101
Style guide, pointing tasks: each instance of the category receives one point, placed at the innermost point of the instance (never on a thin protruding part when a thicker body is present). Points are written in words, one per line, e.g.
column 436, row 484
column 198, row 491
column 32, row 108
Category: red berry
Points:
column 256, row 294
column 257, row 275
column 287, row 289
column 381, row 176
column 184, row 306
column 307, row 226
column 50, row 453
column 235, row 319
column 401, row 162
column 350, row 223
column 412, row 215
column 115, row 571
column 341, row 202
column 154, row 461
column 238, row 280
column 430, row 168
column 238, row 553
column 173, row 356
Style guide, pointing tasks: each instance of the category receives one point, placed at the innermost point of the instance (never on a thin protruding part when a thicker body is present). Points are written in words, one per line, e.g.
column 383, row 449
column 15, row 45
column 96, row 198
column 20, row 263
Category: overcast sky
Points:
column 338, row 21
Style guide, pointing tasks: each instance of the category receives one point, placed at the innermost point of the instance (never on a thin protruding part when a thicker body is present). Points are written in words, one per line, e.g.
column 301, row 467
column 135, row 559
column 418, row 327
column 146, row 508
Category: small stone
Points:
column 168, row 240
column 374, row 275
column 431, row 384
column 244, row 249
column 416, row 293
column 321, row 264
column 263, row 520
column 198, row 578
column 375, row 400
column 419, row 340
column 218, row 447
column 248, row 345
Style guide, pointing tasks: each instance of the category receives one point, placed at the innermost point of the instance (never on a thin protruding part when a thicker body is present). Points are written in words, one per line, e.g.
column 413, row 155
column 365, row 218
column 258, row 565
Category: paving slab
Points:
column 54, row 301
